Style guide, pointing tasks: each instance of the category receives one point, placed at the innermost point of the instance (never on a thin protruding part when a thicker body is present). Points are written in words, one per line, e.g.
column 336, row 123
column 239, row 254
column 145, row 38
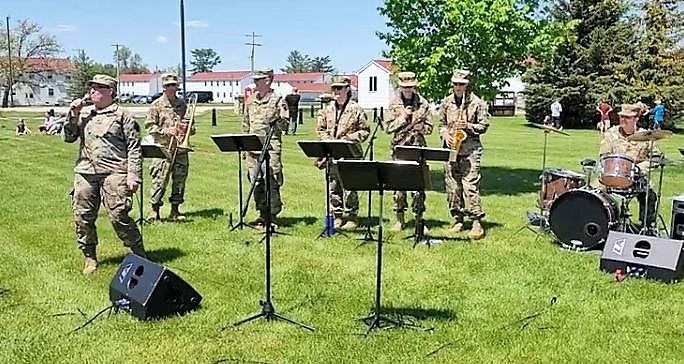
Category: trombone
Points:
column 181, row 142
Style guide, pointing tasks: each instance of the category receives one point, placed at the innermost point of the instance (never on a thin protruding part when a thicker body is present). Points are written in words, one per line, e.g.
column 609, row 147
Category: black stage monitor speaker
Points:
column 148, row 290
column 677, row 222
column 643, row 256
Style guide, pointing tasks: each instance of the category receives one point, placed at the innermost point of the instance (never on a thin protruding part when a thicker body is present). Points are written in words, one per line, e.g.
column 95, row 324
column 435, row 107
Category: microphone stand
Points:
column 368, row 234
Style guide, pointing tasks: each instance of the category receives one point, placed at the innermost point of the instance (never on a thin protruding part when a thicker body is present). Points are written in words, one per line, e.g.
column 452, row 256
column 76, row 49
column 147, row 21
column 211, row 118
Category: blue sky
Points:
column 344, row 30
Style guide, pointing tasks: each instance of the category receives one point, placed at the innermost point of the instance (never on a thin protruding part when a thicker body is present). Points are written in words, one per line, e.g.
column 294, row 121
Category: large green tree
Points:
column 491, row 38
column 298, row 62
column 587, row 66
column 27, row 41
column 204, row 60
column 129, row 62
column 84, row 70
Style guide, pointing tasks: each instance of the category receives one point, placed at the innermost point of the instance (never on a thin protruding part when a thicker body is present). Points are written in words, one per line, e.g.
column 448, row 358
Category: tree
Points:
column 491, row 38
column 321, row 64
column 84, row 70
column 128, row 61
column 297, row 62
column 204, row 60
column 26, row 42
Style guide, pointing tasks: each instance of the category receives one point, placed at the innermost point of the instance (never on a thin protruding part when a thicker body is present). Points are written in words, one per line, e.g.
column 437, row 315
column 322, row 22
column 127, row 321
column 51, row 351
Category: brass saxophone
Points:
column 459, row 135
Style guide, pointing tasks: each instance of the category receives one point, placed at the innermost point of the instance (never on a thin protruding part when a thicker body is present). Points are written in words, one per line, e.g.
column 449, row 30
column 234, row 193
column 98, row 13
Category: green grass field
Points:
column 475, row 295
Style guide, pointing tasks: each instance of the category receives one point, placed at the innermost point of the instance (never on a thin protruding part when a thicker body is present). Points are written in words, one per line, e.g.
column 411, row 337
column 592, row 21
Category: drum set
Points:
column 580, row 215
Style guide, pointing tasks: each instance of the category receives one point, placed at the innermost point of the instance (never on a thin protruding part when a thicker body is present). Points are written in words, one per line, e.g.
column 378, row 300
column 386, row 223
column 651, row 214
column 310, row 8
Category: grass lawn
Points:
column 475, row 295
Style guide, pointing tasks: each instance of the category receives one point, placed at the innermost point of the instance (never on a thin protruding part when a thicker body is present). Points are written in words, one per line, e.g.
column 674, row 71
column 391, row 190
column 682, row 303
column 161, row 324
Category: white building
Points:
column 142, row 84
column 374, row 84
column 517, row 88
column 50, row 80
column 225, row 85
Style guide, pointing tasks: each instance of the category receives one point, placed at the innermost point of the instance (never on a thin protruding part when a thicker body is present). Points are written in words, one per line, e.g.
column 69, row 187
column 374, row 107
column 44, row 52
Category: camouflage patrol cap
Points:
column 263, row 73
column 406, row 79
column 630, row 110
column 460, row 76
column 104, row 80
column 340, row 81
column 169, row 79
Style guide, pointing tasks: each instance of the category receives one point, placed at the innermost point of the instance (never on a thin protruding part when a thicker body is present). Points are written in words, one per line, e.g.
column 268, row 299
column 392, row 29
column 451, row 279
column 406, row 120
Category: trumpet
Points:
column 181, row 142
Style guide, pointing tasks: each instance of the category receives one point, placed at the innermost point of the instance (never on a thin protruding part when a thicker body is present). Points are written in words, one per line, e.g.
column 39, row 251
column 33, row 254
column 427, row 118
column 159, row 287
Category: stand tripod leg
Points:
column 368, row 234
column 241, row 223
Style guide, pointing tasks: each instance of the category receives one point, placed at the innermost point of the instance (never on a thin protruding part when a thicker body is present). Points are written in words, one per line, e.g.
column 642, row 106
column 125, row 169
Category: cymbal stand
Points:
column 661, row 164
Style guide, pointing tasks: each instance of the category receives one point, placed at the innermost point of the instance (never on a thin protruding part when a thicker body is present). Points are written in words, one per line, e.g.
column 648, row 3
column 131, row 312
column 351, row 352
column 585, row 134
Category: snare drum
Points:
column 617, row 171
column 556, row 182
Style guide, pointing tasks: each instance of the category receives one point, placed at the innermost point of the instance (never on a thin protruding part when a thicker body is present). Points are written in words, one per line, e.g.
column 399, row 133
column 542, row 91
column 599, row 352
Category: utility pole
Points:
column 253, row 44
column 9, row 57
column 182, row 32
column 118, row 74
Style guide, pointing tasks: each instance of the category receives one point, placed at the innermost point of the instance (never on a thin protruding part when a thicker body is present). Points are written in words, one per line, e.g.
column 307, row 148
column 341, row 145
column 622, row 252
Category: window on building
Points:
column 30, row 96
column 211, row 83
column 51, row 92
column 205, row 83
column 373, row 83
column 67, row 77
column 224, row 95
column 49, row 77
column 230, row 83
column 218, row 94
column 224, row 83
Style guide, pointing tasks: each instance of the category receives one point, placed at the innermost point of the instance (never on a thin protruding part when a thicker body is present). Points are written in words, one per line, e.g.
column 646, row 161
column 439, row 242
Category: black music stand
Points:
column 268, row 311
column 421, row 155
column 330, row 150
column 238, row 143
column 361, row 175
column 149, row 151
column 368, row 234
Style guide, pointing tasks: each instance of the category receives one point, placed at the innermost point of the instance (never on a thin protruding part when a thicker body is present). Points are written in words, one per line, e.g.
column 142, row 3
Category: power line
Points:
column 253, row 44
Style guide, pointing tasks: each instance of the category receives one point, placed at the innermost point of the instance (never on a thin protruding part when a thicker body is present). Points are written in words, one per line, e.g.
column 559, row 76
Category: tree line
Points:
column 581, row 51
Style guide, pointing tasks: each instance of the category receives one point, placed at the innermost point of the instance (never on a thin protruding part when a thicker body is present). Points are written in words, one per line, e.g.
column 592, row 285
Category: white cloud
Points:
column 196, row 24
column 66, row 28
column 162, row 39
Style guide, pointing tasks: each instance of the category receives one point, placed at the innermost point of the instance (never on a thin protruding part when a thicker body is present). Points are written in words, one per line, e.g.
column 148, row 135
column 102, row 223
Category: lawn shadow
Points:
column 292, row 221
column 421, row 313
column 210, row 213
column 162, row 255
column 496, row 180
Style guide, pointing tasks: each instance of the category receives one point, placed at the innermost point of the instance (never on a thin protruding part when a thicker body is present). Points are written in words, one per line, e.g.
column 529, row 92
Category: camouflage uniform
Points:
column 109, row 153
column 260, row 111
column 353, row 126
column 462, row 176
column 165, row 114
column 614, row 141
column 408, row 132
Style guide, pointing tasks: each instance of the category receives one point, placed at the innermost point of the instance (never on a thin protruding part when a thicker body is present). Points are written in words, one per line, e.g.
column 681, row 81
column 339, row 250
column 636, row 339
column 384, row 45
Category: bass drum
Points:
column 581, row 218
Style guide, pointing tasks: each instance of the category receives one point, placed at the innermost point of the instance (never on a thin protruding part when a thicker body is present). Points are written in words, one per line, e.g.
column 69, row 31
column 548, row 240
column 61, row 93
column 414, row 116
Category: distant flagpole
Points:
column 182, row 32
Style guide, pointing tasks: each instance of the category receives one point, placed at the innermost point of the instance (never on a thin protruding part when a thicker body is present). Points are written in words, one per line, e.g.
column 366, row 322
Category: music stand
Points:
column 238, row 143
column 268, row 311
column 329, row 150
column 368, row 234
column 421, row 155
column 149, row 151
column 361, row 175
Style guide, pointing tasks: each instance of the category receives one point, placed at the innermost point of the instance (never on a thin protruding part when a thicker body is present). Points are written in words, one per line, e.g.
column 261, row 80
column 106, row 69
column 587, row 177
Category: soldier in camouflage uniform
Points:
column 165, row 122
column 467, row 112
column 342, row 119
column 263, row 108
column 408, row 120
column 615, row 141
column 108, row 169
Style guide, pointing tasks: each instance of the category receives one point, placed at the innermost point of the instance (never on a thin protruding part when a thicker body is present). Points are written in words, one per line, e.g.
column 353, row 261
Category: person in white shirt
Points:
column 556, row 110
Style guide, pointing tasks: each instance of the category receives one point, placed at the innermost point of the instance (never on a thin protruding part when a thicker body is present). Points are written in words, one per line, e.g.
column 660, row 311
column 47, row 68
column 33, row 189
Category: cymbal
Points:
column 549, row 128
column 646, row 135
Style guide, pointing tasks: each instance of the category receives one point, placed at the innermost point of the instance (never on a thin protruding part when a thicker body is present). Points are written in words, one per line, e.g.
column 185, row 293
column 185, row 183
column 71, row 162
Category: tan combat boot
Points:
column 154, row 215
column 90, row 260
column 351, row 224
column 338, row 222
column 400, row 224
column 175, row 214
column 477, row 231
column 457, row 227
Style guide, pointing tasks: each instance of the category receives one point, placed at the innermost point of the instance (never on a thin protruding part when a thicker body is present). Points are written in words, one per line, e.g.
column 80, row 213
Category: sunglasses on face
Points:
column 458, row 84
column 98, row 86
column 337, row 88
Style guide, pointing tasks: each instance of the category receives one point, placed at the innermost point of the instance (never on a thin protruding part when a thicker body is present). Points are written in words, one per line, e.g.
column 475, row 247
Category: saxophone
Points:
column 459, row 135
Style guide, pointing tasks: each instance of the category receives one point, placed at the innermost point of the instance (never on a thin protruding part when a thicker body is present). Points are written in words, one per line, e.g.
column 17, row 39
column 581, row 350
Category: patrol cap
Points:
column 340, row 81
column 104, row 80
column 169, row 79
column 460, row 76
column 630, row 110
column 407, row 79
column 263, row 73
